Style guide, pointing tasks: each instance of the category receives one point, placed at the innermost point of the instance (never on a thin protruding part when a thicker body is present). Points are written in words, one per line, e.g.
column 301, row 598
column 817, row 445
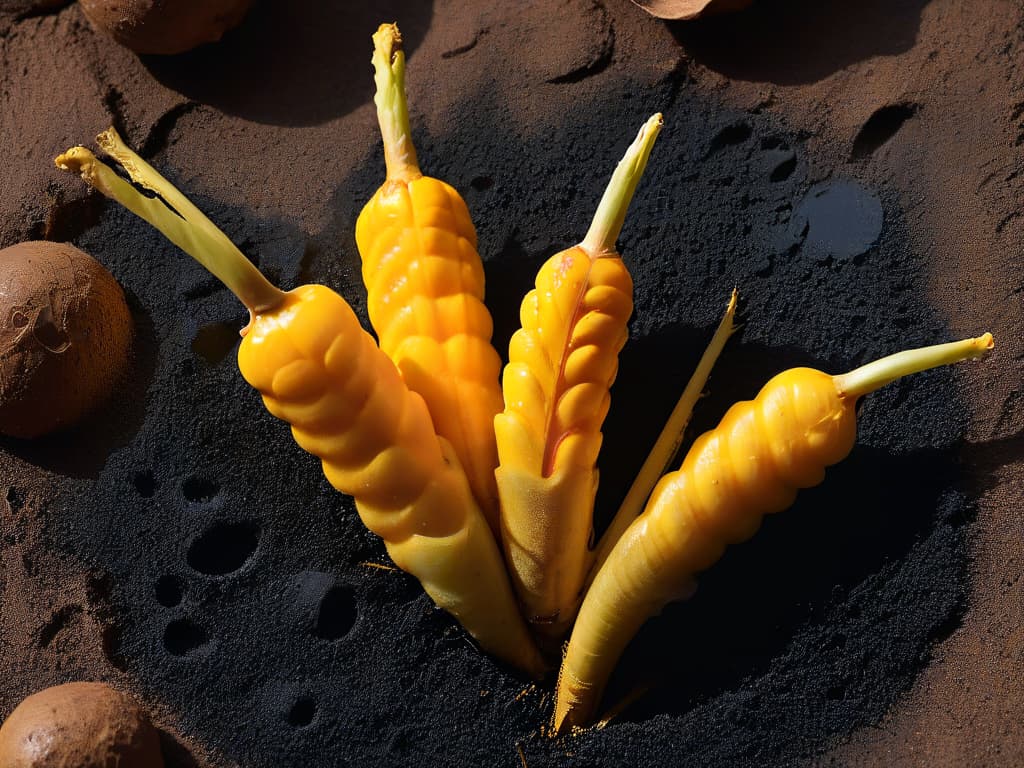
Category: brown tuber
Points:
column 165, row 26
column 79, row 725
column 65, row 336
column 690, row 9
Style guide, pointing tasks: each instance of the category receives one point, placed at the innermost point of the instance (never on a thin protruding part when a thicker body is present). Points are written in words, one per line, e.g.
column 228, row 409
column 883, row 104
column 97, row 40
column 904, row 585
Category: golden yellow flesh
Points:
column 320, row 371
column 561, row 364
column 750, row 465
column 425, row 284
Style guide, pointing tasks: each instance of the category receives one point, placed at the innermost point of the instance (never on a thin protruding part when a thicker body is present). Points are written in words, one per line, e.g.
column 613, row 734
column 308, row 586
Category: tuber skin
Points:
column 85, row 725
column 680, row 10
column 65, row 336
column 165, row 26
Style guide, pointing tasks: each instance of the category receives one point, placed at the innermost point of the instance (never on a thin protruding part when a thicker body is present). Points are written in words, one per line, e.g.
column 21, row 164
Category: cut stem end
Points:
column 877, row 374
column 392, row 108
column 611, row 211
column 174, row 215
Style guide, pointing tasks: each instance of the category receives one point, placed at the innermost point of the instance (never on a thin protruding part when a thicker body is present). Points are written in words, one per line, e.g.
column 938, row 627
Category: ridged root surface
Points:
column 425, row 285
column 319, row 371
column 561, row 364
column 751, row 465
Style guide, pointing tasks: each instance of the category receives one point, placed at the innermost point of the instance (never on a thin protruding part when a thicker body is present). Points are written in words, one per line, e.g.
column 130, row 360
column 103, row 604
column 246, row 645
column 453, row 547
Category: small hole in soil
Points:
column 197, row 489
column 480, row 183
column 145, row 484
column 183, row 636
column 224, row 548
column 110, row 639
column 730, row 135
column 61, row 619
column 783, row 170
column 168, row 591
column 836, row 693
column 302, row 712
column 13, row 499
column 336, row 614
column 880, row 127
column 213, row 342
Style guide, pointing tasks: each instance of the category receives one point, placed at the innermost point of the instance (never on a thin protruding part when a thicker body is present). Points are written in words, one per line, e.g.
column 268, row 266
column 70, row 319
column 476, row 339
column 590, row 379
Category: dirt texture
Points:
column 853, row 168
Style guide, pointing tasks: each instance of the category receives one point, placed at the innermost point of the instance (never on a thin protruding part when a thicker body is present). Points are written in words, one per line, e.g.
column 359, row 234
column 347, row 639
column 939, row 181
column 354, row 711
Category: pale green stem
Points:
column 392, row 108
column 667, row 444
column 611, row 211
column 177, row 218
column 877, row 374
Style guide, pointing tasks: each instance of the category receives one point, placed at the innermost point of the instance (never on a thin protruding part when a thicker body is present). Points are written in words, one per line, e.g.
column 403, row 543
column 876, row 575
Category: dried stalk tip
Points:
column 173, row 215
column 388, row 40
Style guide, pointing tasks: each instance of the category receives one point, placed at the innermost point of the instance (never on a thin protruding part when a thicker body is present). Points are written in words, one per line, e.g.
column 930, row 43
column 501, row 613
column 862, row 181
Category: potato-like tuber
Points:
column 86, row 725
column 65, row 335
column 165, row 26
column 690, row 9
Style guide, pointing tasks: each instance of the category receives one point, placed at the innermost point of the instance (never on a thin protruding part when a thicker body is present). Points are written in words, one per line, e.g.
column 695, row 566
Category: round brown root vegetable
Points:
column 165, row 26
column 86, row 725
column 690, row 9
column 65, row 335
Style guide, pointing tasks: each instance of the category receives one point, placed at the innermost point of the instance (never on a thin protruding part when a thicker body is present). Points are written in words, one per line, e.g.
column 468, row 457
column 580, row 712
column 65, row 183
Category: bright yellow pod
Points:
column 752, row 464
column 425, row 286
column 320, row 371
column 562, row 362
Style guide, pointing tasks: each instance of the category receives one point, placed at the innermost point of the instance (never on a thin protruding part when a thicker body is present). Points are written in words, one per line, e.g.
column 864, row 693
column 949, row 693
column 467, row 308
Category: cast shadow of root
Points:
column 301, row 62
column 791, row 42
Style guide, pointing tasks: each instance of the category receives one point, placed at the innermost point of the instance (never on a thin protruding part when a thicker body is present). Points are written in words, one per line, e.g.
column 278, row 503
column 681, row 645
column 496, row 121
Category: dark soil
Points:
column 853, row 168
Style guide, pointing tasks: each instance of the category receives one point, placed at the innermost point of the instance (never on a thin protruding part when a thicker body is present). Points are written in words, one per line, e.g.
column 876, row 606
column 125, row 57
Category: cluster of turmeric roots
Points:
column 484, row 490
